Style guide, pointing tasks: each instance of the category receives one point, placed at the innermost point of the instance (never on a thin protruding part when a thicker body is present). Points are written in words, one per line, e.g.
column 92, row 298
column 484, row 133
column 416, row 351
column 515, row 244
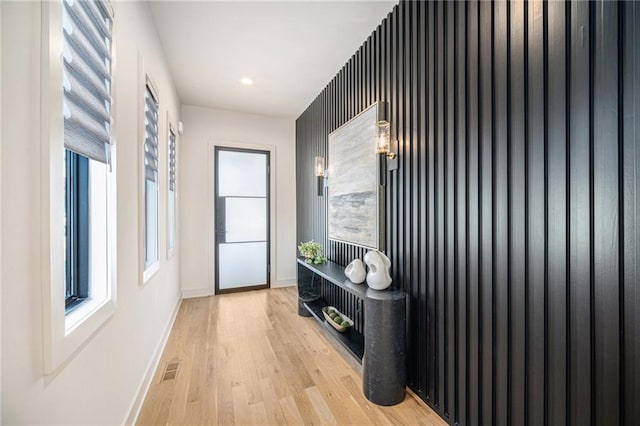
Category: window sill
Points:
column 150, row 271
column 81, row 313
column 74, row 330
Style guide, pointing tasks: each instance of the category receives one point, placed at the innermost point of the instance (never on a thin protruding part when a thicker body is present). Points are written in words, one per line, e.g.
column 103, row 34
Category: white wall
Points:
column 202, row 128
column 0, row 213
column 101, row 381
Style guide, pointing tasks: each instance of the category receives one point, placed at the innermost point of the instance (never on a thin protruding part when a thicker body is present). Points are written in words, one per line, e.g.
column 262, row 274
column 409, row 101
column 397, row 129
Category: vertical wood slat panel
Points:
column 362, row 89
column 536, row 243
column 374, row 78
column 404, row 64
column 431, row 282
column 486, row 152
column 501, row 216
column 460, row 227
column 579, row 384
column 473, row 225
column 517, row 214
column 631, row 211
column 391, row 82
column 358, row 82
column 439, row 253
column 368, row 71
column 512, row 221
column 557, row 214
column 449, row 225
column 606, row 215
column 346, row 92
column 361, row 76
column 350, row 90
column 399, row 187
column 414, row 212
column 421, row 320
column 409, row 144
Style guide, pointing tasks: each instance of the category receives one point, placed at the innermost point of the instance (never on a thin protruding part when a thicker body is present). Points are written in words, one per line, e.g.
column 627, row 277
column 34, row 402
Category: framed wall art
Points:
column 355, row 197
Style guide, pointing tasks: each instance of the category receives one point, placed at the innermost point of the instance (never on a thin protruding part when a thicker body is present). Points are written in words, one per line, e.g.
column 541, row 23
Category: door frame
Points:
column 211, row 193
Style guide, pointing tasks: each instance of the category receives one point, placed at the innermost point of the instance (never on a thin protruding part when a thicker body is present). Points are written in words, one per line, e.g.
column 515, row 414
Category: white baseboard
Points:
column 204, row 292
column 284, row 283
column 198, row 292
column 136, row 406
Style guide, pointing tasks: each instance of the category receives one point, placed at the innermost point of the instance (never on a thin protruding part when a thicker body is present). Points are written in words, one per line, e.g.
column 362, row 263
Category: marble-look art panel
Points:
column 353, row 182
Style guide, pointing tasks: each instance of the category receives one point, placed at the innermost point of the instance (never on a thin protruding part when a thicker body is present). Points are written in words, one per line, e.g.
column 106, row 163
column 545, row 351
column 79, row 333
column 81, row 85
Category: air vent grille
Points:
column 170, row 371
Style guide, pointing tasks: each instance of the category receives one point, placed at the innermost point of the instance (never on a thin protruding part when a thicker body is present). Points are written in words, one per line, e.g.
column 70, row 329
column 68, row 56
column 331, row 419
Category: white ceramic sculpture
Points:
column 355, row 271
column 378, row 277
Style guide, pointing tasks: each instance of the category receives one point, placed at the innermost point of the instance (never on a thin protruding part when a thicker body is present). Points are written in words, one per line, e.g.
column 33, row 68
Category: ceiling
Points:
column 291, row 50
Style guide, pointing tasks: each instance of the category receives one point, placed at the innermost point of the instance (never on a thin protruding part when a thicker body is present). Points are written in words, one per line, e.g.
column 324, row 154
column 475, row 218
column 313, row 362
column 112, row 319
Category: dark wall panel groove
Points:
column 513, row 220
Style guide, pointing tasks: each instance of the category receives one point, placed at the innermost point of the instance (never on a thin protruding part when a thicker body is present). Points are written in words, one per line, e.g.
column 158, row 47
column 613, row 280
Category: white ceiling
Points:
column 291, row 50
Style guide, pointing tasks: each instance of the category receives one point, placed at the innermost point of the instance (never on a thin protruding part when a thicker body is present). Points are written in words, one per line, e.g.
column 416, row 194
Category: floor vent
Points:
column 171, row 371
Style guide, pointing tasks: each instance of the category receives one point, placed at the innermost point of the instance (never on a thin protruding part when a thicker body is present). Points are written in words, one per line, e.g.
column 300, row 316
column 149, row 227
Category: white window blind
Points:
column 150, row 134
column 172, row 160
column 87, row 41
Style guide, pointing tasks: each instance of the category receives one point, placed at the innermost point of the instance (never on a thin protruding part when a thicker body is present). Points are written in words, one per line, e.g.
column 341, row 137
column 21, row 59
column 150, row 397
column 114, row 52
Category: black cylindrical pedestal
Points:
column 308, row 289
column 302, row 311
column 383, row 365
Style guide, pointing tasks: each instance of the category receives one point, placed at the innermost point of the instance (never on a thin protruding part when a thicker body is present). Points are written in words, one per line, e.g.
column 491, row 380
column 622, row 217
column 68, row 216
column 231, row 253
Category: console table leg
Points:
column 384, row 362
column 308, row 289
column 302, row 311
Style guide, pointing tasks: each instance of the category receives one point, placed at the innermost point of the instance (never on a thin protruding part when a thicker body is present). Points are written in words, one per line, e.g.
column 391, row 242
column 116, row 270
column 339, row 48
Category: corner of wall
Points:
column 196, row 292
column 289, row 282
column 0, row 206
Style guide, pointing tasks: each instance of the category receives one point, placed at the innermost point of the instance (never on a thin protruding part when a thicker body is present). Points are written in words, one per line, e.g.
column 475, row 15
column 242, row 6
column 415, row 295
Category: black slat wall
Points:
column 513, row 220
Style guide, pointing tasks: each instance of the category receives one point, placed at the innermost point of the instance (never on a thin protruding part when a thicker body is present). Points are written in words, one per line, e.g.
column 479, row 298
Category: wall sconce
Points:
column 319, row 170
column 384, row 144
column 383, row 140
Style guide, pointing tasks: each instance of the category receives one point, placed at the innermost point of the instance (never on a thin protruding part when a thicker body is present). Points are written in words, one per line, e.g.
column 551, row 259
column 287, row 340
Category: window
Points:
column 150, row 185
column 86, row 232
column 78, row 176
column 86, row 81
column 76, row 229
column 171, row 197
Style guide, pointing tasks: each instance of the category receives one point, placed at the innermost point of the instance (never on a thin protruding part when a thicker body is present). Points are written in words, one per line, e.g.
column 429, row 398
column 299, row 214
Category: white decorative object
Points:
column 378, row 277
column 355, row 271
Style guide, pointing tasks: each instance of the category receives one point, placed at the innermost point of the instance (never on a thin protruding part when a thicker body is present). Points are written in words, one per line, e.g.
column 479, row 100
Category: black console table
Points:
column 382, row 347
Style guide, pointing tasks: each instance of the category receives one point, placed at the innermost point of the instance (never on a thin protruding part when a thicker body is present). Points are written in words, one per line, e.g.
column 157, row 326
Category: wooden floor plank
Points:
column 320, row 406
column 275, row 416
column 290, row 410
column 249, row 359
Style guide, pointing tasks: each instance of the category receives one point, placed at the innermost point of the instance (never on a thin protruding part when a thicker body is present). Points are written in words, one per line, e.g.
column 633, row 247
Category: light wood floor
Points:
column 249, row 359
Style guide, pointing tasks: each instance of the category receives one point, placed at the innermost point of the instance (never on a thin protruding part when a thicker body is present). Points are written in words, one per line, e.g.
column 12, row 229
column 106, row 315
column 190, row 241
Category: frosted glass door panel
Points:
column 242, row 219
column 242, row 265
column 245, row 219
column 242, row 174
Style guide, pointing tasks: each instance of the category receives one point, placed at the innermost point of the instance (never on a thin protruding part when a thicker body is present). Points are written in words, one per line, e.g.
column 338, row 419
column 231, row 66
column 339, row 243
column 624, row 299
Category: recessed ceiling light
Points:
column 246, row 81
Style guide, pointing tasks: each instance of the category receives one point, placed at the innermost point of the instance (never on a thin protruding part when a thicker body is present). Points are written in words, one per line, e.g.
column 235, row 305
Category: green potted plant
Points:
column 312, row 252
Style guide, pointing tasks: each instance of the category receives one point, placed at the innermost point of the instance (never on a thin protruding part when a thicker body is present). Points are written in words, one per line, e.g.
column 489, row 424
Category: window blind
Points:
column 150, row 134
column 87, row 42
column 172, row 160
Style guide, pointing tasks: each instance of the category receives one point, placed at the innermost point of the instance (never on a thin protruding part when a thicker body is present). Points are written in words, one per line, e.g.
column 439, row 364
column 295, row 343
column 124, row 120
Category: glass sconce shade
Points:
column 383, row 143
column 319, row 166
